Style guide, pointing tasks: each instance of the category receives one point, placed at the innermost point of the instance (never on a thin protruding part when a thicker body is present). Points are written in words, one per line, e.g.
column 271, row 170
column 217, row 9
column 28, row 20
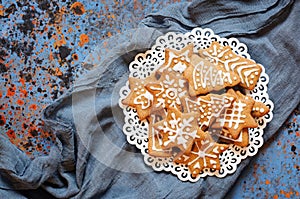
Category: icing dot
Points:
column 230, row 55
column 175, row 61
column 182, row 58
column 199, row 85
column 205, row 114
column 202, row 116
column 216, row 110
column 135, row 89
column 208, row 113
column 138, row 93
column 203, row 105
column 235, row 78
column 262, row 110
column 257, row 108
column 210, row 51
column 217, row 102
column 214, row 166
column 252, row 76
column 188, row 129
column 222, row 148
column 218, row 51
column 256, row 73
column 209, row 109
column 251, row 82
column 226, row 57
column 208, row 104
column 142, row 90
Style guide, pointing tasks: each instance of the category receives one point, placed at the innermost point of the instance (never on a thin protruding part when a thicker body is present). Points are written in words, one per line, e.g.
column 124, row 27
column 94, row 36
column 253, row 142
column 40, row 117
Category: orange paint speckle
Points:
column 268, row 182
column 0, row 94
column 287, row 195
column 75, row 56
column 11, row 92
column 275, row 196
column 78, row 8
column 83, row 39
column 22, row 81
column 58, row 72
column 2, row 120
column 51, row 56
column 23, row 92
column 11, row 134
column 109, row 34
column 2, row 10
column 297, row 133
column 33, row 107
column 20, row 102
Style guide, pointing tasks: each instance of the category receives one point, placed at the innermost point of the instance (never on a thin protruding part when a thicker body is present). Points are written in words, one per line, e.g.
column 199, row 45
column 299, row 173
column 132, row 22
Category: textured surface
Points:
column 41, row 47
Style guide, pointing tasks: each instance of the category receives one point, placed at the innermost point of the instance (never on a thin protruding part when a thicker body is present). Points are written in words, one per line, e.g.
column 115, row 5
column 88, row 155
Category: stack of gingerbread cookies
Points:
column 195, row 106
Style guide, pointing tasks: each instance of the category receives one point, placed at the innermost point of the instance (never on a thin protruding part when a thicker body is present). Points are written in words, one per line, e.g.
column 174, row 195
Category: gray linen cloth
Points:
column 92, row 158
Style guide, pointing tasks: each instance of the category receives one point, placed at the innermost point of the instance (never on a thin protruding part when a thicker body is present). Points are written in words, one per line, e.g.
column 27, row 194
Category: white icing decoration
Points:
column 202, row 153
column 179, row 130
column 144, row 99
column 210, row 77
column 235, row 116
column 232, row 64
column 201, row 103
column 180, row 66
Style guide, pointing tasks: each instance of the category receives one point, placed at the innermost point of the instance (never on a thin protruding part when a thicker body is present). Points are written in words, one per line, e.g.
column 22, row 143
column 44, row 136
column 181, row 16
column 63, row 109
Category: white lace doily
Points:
column 137, row 131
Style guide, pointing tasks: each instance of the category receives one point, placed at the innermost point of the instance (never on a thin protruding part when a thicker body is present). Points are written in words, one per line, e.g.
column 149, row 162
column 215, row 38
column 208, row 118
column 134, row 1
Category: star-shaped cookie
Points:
column 236, row 117
column 168, row 91
column 178, row 130
column 259, row 109
column 177, row 60
column 204, row 154
column 247, row 69
column 139, row 97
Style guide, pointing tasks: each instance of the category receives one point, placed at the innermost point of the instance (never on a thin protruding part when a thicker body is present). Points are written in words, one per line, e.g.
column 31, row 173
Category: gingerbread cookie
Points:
column 247, row 70
column 204, row 154
column 259, row 109
column 204, row 76
column 242, row 140
column 155, row 139
column 177, row 60
column 209, row 107
column 168, row 91
column 139, row 97
column 178, row 129
column 236, row 117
